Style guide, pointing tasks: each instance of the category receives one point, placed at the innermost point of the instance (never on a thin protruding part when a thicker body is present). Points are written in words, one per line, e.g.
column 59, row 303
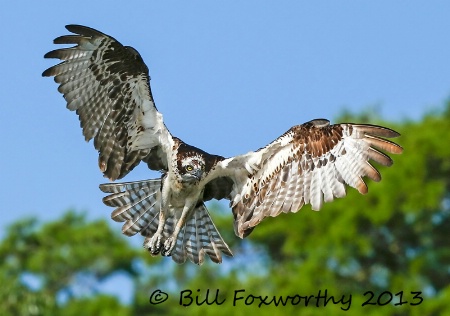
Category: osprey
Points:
column 108, row 85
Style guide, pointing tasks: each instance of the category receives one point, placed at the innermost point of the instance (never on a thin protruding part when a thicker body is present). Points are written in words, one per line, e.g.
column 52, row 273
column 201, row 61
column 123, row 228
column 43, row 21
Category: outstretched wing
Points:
column 108, row 85
column 310, row 163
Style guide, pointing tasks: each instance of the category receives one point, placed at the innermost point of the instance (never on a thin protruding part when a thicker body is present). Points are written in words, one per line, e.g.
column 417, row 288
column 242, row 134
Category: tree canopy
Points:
column 389, row 249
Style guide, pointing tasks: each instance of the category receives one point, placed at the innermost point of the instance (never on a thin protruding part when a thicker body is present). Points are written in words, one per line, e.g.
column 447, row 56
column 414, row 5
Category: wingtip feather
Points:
column 376, row 130
column 384, row 144
column 83, row 30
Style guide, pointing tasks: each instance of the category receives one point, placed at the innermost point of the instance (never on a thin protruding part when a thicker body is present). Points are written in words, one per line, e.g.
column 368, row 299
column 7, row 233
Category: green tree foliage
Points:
column 60, row 256
column 393, row 242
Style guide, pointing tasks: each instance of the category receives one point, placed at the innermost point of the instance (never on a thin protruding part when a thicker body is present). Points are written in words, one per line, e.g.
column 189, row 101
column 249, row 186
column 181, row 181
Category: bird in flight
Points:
column 108, row 86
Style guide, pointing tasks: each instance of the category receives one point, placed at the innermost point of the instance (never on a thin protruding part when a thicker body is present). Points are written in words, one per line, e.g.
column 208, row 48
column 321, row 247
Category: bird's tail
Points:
column 138, row 205
column 199, row 236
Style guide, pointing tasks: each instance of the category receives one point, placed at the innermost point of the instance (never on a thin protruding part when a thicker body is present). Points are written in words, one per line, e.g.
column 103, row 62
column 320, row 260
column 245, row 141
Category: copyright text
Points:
column 320, row 299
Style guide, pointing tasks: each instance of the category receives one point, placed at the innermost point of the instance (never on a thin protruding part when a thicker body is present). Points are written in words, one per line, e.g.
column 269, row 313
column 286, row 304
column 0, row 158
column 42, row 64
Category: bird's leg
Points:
column 155, row 242
column 170, row 242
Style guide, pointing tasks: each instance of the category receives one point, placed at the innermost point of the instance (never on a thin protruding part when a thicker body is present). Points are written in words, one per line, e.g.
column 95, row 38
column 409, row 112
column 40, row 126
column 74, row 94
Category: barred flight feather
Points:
column 106, row 82
column 137, row 204
column 309, row 164
column 199, row 237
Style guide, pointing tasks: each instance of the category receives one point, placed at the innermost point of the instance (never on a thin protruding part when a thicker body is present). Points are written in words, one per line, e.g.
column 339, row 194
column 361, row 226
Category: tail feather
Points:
column 198, row 237
column 137, row 205
column 179, row 253
column 193, row 240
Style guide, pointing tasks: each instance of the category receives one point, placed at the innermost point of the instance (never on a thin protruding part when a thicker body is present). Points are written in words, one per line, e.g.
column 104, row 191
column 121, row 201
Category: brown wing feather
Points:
column 310, row 163
column 108, row 85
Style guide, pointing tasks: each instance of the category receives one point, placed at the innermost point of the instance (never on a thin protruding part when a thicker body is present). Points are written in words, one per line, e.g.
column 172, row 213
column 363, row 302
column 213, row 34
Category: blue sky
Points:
column 229, row 77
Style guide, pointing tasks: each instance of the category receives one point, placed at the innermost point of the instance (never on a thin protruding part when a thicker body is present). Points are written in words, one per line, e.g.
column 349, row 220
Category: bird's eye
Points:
column 189, row 168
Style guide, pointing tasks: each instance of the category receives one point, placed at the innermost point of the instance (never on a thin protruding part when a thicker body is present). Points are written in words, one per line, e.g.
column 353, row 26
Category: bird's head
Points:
column 192, row 169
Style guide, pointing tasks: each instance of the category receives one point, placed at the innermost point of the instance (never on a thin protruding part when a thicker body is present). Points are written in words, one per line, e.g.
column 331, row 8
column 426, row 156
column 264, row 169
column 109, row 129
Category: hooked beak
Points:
column 198, row 174
column 192, row 177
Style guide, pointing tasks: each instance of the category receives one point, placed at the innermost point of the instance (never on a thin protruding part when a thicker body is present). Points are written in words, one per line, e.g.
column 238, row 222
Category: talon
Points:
column 154, row 250
column 153, row 244
column 169, row 244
